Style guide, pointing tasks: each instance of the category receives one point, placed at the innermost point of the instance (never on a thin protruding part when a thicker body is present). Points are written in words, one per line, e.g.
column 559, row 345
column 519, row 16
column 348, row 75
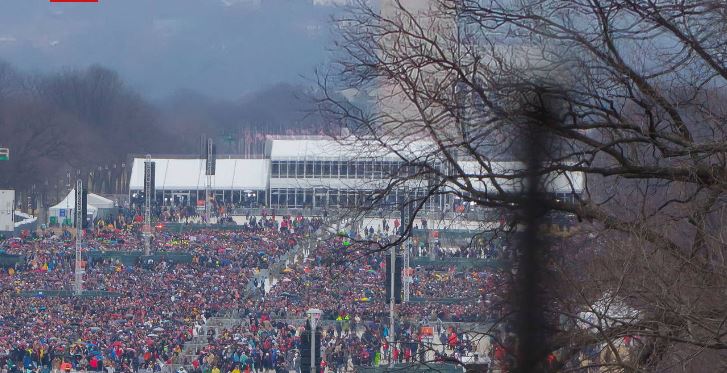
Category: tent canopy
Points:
column 93, row 203
column 189, row 174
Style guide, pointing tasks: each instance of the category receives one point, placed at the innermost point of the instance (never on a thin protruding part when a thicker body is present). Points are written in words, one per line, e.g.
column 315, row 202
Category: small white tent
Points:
column 64, row 209
column 607, row 312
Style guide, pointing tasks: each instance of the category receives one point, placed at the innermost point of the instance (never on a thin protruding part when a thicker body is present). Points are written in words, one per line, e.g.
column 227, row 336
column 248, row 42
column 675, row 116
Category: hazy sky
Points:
column 224, row 48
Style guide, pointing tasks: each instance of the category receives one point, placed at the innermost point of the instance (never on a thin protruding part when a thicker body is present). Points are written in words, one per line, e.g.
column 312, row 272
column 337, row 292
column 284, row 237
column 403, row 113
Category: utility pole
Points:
column 314, row 315
column 207, row 207
column 78, row 286
column 431, row 246
column 407, row 274
column 392, row 301
column 209, row 172
column 313, row 347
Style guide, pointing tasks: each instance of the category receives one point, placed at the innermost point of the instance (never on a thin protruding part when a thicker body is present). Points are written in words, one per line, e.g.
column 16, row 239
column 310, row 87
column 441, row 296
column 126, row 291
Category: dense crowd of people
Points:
column 152, row 308
column 262, row 343
column 345, row 279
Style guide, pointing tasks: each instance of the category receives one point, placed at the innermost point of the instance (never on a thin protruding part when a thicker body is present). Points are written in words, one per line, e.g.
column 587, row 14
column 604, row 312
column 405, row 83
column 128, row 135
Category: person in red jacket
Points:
column 93, row 363
column 452, row 340
column 500, row 355
column 552, row 360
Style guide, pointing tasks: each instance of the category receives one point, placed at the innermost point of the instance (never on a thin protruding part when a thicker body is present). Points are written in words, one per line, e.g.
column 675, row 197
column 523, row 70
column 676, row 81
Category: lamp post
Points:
column 392, row 301
column 314, row 314
column 123, row 177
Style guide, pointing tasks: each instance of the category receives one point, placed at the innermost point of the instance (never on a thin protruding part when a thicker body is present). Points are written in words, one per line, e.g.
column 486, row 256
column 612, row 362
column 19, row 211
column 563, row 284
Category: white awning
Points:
column 189, row 174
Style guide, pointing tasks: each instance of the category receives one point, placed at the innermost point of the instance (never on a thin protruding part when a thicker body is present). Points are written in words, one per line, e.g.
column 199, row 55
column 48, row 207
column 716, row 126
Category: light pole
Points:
column 209, row 172
column 314, row 314
column 407, row 248
column 123, row 177
column 392, row 301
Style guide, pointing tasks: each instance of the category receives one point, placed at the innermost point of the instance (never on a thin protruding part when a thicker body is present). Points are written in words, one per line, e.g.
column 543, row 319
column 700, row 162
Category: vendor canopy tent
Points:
column 189, row 174
column 68, row 204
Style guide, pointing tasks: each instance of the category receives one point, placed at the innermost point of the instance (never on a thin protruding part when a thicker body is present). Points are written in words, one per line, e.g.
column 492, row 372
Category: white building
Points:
column 304, row 172
column 182, row 181
column 310, row 171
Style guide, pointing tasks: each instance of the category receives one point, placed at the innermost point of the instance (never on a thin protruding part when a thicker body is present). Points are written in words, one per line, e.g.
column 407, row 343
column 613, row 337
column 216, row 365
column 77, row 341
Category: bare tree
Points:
column 638, row 143
column 75, row 120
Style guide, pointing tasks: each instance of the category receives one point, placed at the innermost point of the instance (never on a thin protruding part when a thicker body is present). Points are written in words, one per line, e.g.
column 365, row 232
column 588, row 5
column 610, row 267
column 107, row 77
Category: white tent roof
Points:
column 189, row 174
column 70, row 202
column 322, row 147
column 607, row 312
column 25, row 219
column 305, row 148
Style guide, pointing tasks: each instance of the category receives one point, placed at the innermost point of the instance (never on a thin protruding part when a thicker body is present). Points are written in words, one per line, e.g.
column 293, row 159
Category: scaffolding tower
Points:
column 148, row 195
column 80, row 218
